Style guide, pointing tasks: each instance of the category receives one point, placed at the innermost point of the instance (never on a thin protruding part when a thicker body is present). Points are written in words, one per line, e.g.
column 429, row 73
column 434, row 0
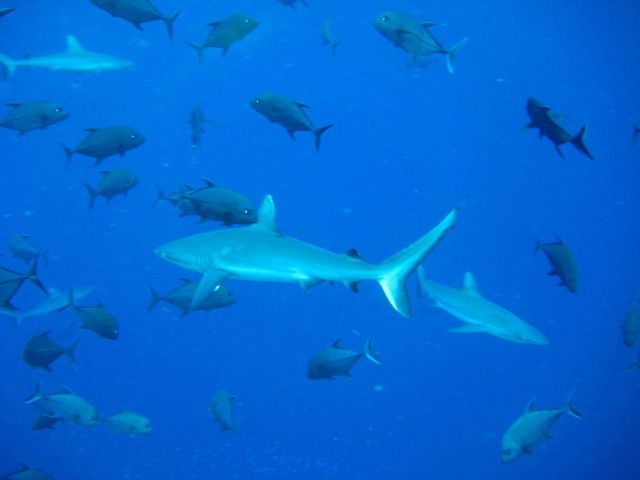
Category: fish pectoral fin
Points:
column 468, row 329
column 210, row 280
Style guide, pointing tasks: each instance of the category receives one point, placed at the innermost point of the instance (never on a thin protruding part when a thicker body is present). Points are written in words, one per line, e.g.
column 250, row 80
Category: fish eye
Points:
column 384, row 18
column 256, row 101
column 246, row 19
column 133, row 135
column 58, row 109
column 246, row 211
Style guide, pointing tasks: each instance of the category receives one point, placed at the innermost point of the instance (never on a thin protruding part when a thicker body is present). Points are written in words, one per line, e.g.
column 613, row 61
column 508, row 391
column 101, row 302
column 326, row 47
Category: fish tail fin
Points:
column 199, row 50
column 318, row 133
column 570, row 408
column 160, row 195
column 452, row 52
column 395, row 270
column 32, row 276
column 68, row 153
column 71, row 353
column 155, row 299
column 92, row 195
column 7, row 67
column 35, row 396
column 578, row 142
column 370, row 353
column 168, row 21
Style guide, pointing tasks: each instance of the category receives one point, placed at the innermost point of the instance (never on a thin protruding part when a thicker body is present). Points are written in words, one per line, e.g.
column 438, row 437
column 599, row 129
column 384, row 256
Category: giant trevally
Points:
column 40, row 351
column 27, row 473
column 338, row 361
column 530, row 428
column 327, row 36
column 414, row 37
column 27, row 116
column 182, row 297
column 65, row 405
column 56, row 301
column 288, row 113
column 21, row 247
column 129, row 423
column 479, row 314
column 261, row 252
column 545, row 121
column 197, row 121
column 563, row 263
column 225, row 33
column 221, row 410
column 98, row 320
column 101, row 143
column 136, row 12
column 74, row 59
column 117, row 181
column 631, row 324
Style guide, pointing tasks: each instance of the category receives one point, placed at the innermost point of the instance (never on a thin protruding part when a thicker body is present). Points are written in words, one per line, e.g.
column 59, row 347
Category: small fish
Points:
column 21, row 247
column 338, row 361
column 631, row 325
column 98, row 320
column 6, row 11
column 27, row 473
column 44, row 422
column 197, row 121
column 101, row 143
column 327, row 36
column 65, row 405
column 182, row 298
column 117, row 181
column 288, row 113
column 225, row 33
column 136, row 12
column 28, row 116
column 221, row 410
column 129, row 423
column 563, row 263
column 415, row 37
column 545, row 121
column 40, row 351
column 530, row 428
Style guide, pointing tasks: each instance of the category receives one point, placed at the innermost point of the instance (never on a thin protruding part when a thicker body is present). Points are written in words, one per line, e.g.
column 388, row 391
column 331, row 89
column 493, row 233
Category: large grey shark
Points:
column 260, row 252
column 479, row 314
column 74, row 59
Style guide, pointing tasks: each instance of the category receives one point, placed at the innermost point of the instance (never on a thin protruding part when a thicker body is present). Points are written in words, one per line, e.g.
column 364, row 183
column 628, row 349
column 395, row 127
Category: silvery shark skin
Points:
column 221, row 410
column 55, row 302
column 74, row 59
column 27, row 473
column 262, row 253
column 136, row 12
column 479, row 314
column 28, row 116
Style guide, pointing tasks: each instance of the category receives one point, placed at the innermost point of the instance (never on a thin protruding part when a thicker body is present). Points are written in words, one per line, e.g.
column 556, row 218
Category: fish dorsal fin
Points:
column 530, row 406
column 336, row 344
column 469, row 284
column 302, row 105
column 73, row 45
column 66, row 390
column 559, row 239
column 267, row 214
column 428, row 25
column 208, row 183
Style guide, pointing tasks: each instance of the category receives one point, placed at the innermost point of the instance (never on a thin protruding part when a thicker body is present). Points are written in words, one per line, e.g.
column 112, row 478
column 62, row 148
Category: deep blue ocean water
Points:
column 407, row 146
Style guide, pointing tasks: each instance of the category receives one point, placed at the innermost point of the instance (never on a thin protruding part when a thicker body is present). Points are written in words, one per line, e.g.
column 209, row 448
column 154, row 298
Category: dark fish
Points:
column 414, row 37
column 291, row 115
column 542, row 119
column 117, row 181
column 136, row 12
column 182, row 297
column 44, row 422
column 221, row 410
column 40, row 351
column 27, row 473
column 101, row 143
column 337, row 361
column 631, row 325
column 292, row 3
column 197, row 121
column 6, row 11
column 98, row 320
column 327, row 36
column 225, row 33
column 562, row 262
column 22, row 247
column 28, row 116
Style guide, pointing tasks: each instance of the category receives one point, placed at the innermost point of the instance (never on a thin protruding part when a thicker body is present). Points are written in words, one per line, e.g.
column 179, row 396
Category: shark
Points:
column 479, row 314
column 74, row 59
column 56, row 301
column 261, row 252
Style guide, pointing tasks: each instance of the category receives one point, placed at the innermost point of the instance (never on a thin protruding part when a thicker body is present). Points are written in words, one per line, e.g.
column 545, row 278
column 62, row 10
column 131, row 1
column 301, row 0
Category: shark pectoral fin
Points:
column 468, row 329
column 210, row 280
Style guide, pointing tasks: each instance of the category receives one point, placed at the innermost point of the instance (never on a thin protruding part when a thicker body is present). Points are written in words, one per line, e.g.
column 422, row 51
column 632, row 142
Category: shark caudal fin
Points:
column 578, row 142
column 451, row 54
column 395, row 270
column 7, row 67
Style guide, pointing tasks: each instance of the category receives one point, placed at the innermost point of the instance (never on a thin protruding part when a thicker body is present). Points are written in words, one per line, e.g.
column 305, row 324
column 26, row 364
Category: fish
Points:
column 98, row 320
column 260, row 252
column 221, row 410
column 545, row 121
column 327, row 36
column 117, row 181
column 631, row 324
column 74, row 59
column 288, row 113
column 530, row 428
column 225, row 32
column 56, row 301
column 136, row 12
column 197, row 121
column 563, row 264
column 27, row 473
column 28, row 116
column 6, row 11
column 40, row 351
column 415, row 37
column 129, row 423
column 182, row 296
column 479, row 314
column 21, row 247
column 338, row 361
column 44, row 422
column 11, row 281
column 101, row 143
column 65, row 405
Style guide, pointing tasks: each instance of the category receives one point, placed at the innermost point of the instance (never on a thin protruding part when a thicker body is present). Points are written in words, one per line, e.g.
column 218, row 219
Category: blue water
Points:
column 408, row 145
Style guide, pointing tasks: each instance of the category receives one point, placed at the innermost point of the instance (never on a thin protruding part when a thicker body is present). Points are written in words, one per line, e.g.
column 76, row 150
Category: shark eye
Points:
column 133, row 135
column 246, row 211
column 384, row 18
column 246, row 19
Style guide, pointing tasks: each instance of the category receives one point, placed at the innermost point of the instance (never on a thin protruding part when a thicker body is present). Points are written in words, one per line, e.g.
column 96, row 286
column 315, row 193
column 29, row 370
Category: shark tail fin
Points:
column 7, row 67
column 370, row 353
column 199, row 50
column 168, row 21
column 318, row 133
column 578, row 142
column 451, row 54
column 394, row 271
column 92, row 195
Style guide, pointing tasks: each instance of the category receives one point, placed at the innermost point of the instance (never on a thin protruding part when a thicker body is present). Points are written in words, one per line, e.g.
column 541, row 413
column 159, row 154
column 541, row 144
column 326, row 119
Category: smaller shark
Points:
column 74, row 59
column 479, row 314
column 56, row 301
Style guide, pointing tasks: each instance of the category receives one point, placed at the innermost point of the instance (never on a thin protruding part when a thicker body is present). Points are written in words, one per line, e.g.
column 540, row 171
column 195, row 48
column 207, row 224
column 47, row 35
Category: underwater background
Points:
column 408, row 145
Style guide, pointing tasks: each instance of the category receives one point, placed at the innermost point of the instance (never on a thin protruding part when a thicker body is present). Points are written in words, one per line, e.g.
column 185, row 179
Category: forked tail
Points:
column 578, row 142
column 168, row 21
column 451, row 54
column 7, row 67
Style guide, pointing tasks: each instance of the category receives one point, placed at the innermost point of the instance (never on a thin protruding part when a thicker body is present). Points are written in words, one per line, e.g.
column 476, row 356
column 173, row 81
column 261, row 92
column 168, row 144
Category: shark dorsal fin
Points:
column 267, row 214
column 336, row 344
column 469, row 283
column 531, row 405
column 73, row 45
